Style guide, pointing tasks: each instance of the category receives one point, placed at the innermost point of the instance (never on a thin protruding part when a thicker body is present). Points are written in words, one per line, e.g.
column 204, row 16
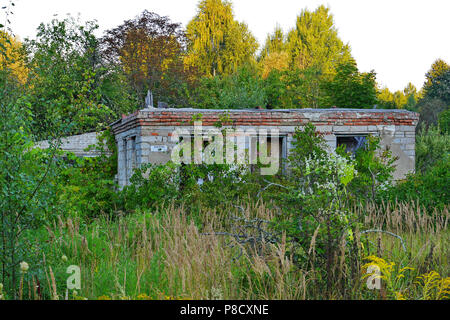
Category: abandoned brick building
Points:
column 145, row 136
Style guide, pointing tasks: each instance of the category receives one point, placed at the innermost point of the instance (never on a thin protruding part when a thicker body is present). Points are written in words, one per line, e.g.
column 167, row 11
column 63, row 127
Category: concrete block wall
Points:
column 76, row 144
column 137, row 133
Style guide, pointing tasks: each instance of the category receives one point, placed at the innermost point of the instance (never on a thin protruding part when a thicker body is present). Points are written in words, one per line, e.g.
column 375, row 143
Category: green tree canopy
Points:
column 64, row 79
column 274, row 55
column 351, row 89
column 239, row 90
column 315, row 42
column 275, row 43
column 436, row 90
column 412, row 96
column 12, row 56
column 438, row 68
column 150, row 49
column 218, row 43
column 386, row 99
column 440, row 87
column 400, row 99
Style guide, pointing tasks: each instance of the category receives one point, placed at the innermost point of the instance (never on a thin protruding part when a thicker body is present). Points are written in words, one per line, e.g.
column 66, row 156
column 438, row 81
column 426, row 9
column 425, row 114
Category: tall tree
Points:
column 64, row 78
column 411, row 95
column 12, row 56
column 275, row 42
column 410, row 89
column 274, row 61
column 400, row 99
column 440, row 87
column 25, row 196
column 430, row 110
column 150, row 50
column 218, row 44
column 438, row 68
column 315, row 42
column 274, row 55
column 385, row 99
column 436, row 90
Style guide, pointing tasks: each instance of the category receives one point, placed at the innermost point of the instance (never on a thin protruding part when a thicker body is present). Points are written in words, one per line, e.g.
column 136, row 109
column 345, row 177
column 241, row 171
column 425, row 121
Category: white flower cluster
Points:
column 385, row 185
column 336, row 170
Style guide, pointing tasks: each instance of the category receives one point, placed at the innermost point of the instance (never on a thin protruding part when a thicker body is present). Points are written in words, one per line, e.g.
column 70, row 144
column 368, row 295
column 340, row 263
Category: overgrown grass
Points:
column 168, row 254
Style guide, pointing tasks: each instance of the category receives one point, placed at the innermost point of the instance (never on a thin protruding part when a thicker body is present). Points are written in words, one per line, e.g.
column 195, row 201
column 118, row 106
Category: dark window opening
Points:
column 133, row 154
column 282, row 151
column 352, row 143
column 251, row 149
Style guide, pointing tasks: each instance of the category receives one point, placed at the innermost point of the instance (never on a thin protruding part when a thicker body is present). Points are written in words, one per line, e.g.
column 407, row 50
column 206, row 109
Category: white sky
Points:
column 399, row 39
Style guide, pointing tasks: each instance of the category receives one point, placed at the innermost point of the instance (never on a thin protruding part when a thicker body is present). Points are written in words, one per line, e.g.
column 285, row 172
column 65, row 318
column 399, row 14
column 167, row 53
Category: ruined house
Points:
column 146, row 135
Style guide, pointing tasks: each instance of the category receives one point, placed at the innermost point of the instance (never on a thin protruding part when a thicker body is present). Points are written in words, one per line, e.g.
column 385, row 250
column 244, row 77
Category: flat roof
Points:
column 278, row 110
column 271, row 117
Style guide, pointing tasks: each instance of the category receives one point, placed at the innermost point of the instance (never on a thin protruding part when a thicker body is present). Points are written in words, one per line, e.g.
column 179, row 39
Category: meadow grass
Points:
column 170, row 254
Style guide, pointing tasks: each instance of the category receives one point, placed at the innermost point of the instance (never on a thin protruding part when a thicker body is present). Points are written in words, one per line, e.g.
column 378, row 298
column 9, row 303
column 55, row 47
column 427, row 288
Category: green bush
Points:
column 151, row 185
column 375, row 168
column 429, row 184
column 444, row 121
column 429, row 188
column 317, row 195
column 197, row 186
column 217, row 184
column 26, row 172
column 431, row 148
column 86, row 185
column 240, row 90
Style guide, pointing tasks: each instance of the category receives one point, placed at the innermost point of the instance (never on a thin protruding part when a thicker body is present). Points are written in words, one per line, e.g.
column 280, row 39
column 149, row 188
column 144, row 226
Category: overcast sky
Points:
column 399, row 39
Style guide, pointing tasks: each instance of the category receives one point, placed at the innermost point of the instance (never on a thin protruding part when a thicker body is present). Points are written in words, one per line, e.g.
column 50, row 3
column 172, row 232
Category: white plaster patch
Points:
column 158, row 148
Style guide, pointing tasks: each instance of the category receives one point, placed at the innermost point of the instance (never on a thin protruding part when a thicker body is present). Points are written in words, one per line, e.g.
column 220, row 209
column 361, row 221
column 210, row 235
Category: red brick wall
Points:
column 179, row 117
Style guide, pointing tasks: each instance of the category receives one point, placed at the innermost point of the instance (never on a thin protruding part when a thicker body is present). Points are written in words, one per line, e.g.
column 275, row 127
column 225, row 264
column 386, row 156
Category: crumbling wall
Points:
column 76, row 144
column 145, row 136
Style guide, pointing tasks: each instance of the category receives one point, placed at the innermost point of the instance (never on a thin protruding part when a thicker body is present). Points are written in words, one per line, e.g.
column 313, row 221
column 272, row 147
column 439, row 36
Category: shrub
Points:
column 151, row 185
column 86, row 185
column 242, row 89
column 319, row 219
column 431, row 148
column 430, row 182
column 216, row 185
column 444, row 121
column 429, row 188
column 26, row 173
column 375, row 168
column 429, row 109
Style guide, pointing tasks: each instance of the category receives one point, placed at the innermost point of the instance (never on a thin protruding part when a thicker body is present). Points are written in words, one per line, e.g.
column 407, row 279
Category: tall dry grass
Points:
column 425, row 234
column 171, row 254
column 118, row 258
